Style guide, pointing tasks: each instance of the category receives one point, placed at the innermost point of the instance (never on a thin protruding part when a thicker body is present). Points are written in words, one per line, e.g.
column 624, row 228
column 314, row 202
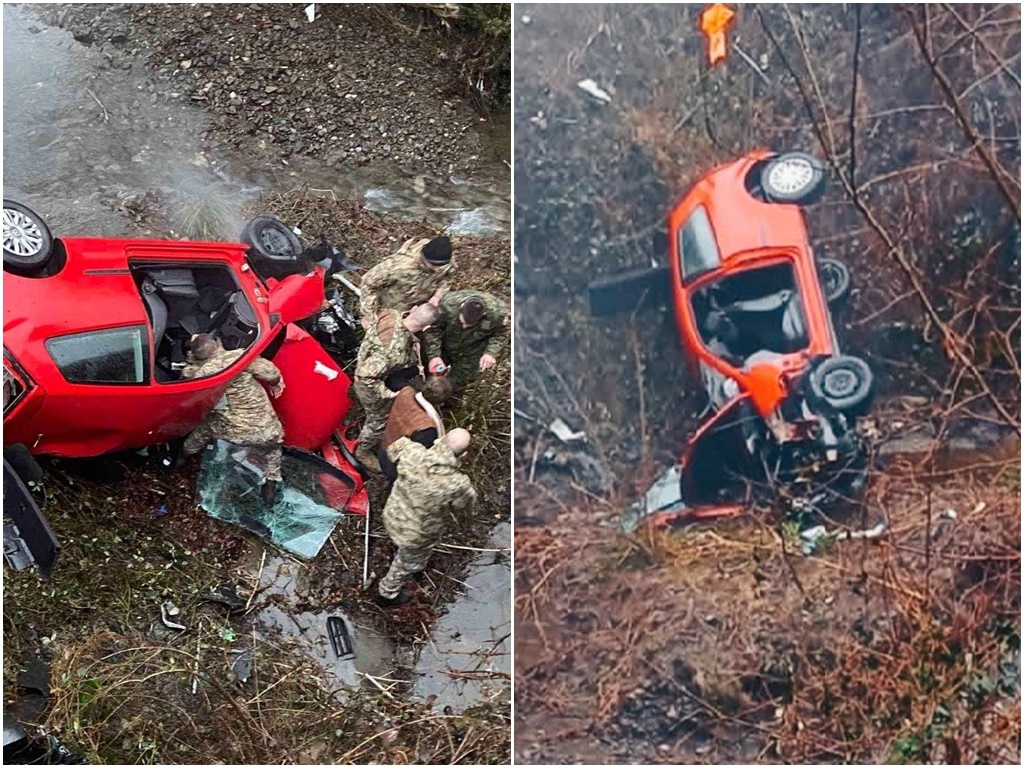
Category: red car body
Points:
column 98, row 290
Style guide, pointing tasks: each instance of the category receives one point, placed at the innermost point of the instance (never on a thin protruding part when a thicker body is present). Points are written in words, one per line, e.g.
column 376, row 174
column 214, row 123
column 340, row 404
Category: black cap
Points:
column 438, row 251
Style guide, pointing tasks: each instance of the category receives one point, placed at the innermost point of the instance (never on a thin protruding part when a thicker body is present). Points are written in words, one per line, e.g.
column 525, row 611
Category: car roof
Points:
column 741, row 222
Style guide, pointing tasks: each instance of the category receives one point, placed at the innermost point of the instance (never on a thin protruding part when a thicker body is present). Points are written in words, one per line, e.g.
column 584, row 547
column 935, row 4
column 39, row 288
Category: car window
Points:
column 112, row 356
column 698, row 251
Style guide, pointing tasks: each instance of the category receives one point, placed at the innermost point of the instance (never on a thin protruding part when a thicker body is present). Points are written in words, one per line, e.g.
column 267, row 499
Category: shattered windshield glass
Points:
column 303, row 511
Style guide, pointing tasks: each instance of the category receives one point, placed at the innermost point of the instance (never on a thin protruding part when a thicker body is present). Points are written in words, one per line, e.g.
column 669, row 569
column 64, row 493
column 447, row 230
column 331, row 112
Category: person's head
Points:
column 458, row 440
column 422, row 316
column 471, row 312
column 437, row 389
column 204, row 346
column 437, row 253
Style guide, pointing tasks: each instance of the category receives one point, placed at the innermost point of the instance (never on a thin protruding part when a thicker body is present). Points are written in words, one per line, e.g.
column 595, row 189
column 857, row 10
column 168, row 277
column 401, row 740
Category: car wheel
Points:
column 28, row 243
column 844, row 383
column 793, row 177
column 273, row 248
column 835, row 279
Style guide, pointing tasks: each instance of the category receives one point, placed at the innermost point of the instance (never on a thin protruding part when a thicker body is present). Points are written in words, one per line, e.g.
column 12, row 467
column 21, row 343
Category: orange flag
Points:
column 715, row 19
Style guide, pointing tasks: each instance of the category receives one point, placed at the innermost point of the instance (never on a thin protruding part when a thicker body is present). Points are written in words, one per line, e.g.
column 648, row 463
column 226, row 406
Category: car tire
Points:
column 843, row 383
column 835, row 280
column 793, row 177
column 28, row 244
column 274, row 249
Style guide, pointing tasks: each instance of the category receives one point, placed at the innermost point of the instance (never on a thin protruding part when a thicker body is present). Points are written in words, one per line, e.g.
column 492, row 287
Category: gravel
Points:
column 359, row 84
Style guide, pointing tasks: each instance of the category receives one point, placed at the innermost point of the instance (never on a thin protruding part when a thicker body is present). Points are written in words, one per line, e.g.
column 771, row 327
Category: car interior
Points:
column 751, row 314
column 186, row 301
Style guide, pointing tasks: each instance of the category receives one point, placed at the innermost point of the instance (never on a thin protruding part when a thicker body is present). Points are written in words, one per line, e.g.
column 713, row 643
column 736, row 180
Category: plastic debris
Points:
column 311, row 12
column 590, row 87
column 714, row 21
column 242, row 666
column 168, row 611
column 564, row 432
column 161, row 510
column 341, row 641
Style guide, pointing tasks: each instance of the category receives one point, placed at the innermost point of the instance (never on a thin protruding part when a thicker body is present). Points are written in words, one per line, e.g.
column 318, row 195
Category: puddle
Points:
column 81, row 137
column 466, row 661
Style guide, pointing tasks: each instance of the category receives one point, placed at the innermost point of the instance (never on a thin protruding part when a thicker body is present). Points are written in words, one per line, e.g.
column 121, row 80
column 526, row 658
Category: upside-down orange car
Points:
column 753, row 308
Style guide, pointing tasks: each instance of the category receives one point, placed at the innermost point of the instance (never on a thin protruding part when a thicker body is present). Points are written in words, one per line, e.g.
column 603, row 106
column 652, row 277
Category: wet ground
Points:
column 465, row 658
column 85, row 143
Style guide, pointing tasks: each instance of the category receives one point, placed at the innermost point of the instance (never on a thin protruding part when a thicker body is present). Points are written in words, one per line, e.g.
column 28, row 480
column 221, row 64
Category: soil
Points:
column 718, row 645
column 361, row 84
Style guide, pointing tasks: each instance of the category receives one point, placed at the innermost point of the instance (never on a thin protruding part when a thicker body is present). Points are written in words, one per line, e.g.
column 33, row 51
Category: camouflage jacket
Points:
column 400, row 281
column 430, row 496
column 249, row 416
column 489, row 336
column 387, row 346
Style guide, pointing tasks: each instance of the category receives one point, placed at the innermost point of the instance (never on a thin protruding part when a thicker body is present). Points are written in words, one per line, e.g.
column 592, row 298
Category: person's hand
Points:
column 436, row 365
column 507, row 321
column 278, row 389
column 365, row 322
column 436, row 298
column 487, row 362
column 390, row 394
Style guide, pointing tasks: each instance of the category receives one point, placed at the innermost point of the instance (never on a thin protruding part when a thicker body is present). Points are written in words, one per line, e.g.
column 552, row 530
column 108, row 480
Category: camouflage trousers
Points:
column 375, row 419
column 266, row 453
column 408, row 561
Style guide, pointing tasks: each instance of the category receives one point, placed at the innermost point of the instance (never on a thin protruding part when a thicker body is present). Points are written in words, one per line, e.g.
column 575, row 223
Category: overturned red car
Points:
column 754, row 311
column 95, row 337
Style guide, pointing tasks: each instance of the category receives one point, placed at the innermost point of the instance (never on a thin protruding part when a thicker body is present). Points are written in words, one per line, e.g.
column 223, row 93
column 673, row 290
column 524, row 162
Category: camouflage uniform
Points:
column 245, row 415
column 461, row 348
column 401, row 281
column 428, row 498
column 388, row 346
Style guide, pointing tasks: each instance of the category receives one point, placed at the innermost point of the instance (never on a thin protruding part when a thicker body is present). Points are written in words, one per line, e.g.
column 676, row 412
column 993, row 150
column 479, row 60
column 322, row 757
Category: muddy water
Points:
column 80, row 137
column 466, row 659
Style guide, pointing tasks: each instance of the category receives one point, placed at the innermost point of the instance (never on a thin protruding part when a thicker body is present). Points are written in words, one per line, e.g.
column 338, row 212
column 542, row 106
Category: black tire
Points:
column 843, row 383
column 28, row 244
column 835, row 280
column 274, row 250
column 793, row 177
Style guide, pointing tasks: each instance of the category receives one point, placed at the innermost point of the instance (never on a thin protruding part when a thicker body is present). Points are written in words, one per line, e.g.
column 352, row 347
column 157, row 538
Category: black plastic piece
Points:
column 341, row 641
column 21, row 509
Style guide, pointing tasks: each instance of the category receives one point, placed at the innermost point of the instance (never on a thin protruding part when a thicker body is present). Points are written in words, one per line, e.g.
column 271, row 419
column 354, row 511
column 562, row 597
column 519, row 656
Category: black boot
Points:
column 401, row 598
column 269, row 492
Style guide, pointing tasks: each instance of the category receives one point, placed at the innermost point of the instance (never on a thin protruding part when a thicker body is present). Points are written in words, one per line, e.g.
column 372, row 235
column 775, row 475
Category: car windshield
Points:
column 751, row 315
column 698, row 251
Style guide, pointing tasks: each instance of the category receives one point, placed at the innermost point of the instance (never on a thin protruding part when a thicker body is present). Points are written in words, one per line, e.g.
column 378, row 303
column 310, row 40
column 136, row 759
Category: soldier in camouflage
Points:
column 430, row 497
column 389, row 346
column 414, row 274
column 245, row 415
column 471, row 334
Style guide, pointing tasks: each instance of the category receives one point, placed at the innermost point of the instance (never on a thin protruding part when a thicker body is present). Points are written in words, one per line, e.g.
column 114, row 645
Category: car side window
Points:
column 698, row 251
column 110, row 356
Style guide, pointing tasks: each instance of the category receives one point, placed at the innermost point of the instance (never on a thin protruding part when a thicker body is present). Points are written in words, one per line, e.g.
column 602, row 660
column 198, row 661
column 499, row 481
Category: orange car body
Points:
column 749, row 233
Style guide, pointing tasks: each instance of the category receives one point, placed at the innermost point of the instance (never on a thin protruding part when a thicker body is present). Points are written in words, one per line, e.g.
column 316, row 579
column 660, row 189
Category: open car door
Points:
column 710, row 481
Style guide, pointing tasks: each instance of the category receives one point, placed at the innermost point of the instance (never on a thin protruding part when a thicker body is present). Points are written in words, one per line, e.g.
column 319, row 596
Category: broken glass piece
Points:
column 665, row 494
column 299, row 519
